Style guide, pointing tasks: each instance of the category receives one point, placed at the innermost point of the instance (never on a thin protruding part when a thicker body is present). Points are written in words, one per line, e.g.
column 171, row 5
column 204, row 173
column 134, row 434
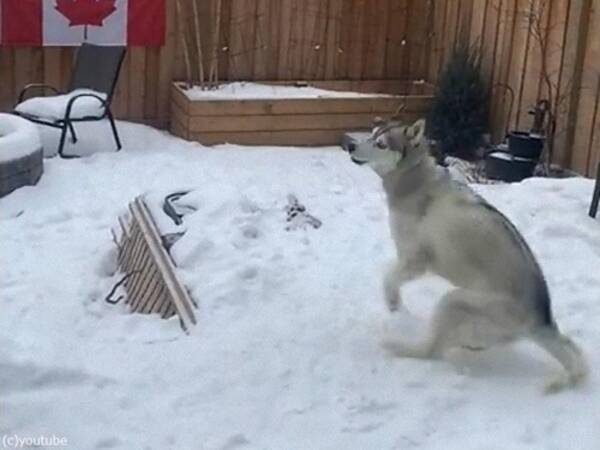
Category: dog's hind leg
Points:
column 463, row 318
column 566, row 352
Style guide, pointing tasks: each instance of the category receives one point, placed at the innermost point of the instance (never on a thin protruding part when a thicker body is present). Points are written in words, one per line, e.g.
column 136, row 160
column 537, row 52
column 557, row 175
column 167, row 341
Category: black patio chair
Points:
column 96, row 68
column 596, row 195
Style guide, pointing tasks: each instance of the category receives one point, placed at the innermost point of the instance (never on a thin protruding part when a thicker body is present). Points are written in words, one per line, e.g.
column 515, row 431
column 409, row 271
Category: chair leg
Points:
column 63, row 138
column 114, row 128
column 72, row 130
column 596, row 196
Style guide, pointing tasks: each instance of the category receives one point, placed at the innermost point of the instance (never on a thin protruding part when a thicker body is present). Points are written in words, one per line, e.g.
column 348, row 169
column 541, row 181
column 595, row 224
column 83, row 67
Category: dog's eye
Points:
column 380, row 144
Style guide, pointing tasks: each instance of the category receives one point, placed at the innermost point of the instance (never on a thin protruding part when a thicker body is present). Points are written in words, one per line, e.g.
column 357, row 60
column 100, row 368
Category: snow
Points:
column 507, row 157
column 255, row 91
column 287, row 350
column 18, row 137
column 55, row 106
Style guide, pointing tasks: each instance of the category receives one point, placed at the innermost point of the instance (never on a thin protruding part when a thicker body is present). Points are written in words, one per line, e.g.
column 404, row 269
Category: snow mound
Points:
column 231, row 240
column 18, row 137
column 55, row 106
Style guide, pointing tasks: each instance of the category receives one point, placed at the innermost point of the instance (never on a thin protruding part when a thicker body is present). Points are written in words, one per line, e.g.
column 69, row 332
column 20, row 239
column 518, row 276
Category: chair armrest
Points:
column 38, row 86
column 78, row 96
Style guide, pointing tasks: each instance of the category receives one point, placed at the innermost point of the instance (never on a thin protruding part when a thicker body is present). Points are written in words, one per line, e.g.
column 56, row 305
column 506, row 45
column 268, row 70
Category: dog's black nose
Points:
column 351, row 147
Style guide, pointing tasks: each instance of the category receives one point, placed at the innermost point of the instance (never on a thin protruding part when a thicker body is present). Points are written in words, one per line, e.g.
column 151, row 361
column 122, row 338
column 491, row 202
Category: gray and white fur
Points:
column 438, row 226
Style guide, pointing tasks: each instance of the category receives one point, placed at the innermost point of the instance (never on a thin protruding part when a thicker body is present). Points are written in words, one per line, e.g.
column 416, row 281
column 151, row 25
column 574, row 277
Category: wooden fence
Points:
column 258, row 40
column 364, row 39
column 541, row 49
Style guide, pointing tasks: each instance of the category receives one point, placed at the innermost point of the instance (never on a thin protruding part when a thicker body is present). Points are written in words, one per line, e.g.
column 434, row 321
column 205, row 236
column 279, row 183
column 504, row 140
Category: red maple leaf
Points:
column 85, row 12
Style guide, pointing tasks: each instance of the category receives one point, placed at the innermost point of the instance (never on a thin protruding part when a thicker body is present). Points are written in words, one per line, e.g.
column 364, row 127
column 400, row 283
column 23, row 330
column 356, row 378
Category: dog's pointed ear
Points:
column 416, row 131
column 378, row 122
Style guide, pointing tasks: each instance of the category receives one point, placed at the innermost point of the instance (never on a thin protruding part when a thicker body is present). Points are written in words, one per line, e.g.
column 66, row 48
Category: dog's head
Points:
column 391, row 145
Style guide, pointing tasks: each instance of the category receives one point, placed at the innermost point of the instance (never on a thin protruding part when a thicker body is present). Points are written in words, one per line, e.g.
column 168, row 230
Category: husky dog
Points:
column 443, row 227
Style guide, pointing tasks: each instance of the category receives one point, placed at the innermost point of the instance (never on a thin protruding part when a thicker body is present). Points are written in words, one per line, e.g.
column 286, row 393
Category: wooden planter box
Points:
column 294, row 121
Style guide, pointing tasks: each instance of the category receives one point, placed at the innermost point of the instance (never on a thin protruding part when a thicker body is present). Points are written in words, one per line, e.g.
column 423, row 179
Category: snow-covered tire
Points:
column 21, row 155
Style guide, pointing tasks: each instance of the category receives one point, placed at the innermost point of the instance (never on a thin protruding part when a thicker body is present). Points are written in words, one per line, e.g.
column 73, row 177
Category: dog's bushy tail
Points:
column 568, row 354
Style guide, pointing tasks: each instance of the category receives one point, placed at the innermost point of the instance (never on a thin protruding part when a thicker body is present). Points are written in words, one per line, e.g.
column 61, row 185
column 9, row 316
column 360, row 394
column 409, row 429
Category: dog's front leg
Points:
column 397, row 274
column 391, row 286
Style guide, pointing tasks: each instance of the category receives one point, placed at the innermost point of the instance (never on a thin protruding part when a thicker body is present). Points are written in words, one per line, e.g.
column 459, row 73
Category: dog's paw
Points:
column 556, row 385
column 405, row 350
column 562, row 382
column 392, row 307
column 393, row 348
column 392, row 301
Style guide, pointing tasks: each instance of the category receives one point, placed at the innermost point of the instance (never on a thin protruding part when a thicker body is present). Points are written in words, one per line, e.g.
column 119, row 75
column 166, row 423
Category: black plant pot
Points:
column 525, row 145
column 500, row 165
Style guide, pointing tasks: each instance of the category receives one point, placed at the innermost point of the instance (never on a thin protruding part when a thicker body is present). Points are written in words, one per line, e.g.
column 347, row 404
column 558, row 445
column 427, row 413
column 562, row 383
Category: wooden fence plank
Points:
column 137, row 67
column 165, row 65
column 498, row 70
column 151, row 87
column 333, row 38
column 466, row 16
column 555, row 58
column 273, row 39
column 224, row 39
column 296, row 41
column 439, row 41
column 583, row 136
column 396, row 49
column 574, row 63
column 504, row 101
column 311, row 37
column 452, row 18
column 518, row 58
column 120, row 103
column 52, row 66
column 533, row 64
column 22, row 70
column 7, row 75
column 262, row 43
column 67, row 57
column 357, row 40
column 283, row 66
column 417, row 38
column 478, row 18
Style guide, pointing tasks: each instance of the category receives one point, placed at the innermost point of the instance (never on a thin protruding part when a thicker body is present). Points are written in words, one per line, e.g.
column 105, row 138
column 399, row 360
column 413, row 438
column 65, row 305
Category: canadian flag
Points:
column 71, row 22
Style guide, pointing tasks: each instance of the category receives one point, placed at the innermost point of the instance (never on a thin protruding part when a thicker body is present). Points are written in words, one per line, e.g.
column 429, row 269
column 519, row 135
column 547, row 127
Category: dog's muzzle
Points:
column 357, row 161
column 351, row 147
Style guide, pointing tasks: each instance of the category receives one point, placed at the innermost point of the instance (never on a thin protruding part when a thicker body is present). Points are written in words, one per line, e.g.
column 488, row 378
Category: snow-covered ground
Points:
column 18, row 138
column 286, row 354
